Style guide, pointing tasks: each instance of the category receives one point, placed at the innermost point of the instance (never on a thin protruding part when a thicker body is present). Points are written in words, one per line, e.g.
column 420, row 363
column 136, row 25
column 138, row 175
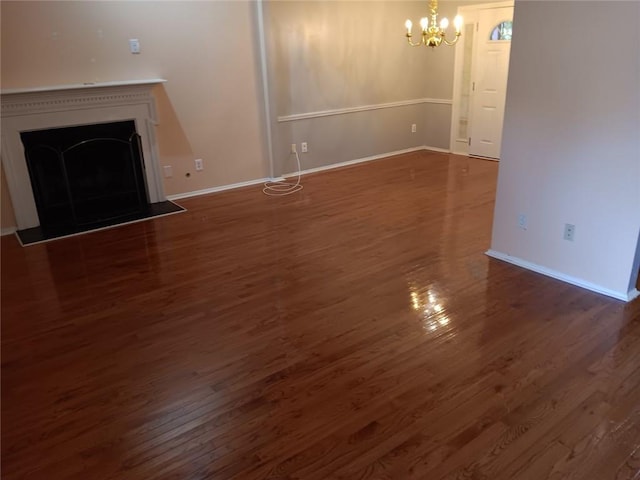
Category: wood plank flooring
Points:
column 354, row 330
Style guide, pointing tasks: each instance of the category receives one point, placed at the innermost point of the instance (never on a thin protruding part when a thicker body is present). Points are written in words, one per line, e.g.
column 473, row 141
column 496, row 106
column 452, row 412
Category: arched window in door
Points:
column 502, row 31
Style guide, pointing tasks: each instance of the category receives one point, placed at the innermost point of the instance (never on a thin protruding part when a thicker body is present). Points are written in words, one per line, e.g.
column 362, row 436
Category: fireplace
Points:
column 85, row 175
column 78, row 157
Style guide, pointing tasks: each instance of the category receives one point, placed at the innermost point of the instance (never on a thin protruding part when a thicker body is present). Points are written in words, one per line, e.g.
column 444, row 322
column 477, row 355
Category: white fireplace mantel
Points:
column 58, row 106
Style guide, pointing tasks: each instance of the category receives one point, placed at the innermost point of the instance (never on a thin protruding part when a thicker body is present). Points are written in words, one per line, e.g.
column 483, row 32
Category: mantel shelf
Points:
column 82, row 86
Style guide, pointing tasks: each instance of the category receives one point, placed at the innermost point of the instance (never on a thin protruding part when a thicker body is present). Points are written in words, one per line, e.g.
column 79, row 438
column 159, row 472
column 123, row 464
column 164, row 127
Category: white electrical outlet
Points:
column 569, row 232
column 168, row 171
column 199, row 165
column 134, row 45
column 522, row 221
column 305, row 147
column 413, row 128
column 293, row 148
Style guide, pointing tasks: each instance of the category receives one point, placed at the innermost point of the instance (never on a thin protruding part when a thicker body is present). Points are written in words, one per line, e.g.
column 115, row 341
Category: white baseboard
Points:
column 221, row 188
column 437, row 149
column 354, row 162
column 248, row 183
column 624, row 296
column 365, row 159
column 7, row 231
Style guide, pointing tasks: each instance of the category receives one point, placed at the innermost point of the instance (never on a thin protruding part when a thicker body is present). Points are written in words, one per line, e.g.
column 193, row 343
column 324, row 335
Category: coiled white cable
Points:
column 280, row 189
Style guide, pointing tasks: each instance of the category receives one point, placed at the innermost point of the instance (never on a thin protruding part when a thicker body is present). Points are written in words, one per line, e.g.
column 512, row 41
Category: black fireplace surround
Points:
column 87, row 177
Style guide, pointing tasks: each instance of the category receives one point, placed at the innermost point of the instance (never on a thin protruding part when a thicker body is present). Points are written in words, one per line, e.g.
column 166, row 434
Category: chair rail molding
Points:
column 362, row 108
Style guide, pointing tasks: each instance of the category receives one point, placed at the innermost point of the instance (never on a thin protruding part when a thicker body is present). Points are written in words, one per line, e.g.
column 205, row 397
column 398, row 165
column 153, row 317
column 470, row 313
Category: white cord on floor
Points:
column 280, row 189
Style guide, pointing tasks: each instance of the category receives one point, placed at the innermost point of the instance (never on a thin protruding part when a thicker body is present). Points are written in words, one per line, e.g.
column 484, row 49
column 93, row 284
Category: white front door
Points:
column 493, row 45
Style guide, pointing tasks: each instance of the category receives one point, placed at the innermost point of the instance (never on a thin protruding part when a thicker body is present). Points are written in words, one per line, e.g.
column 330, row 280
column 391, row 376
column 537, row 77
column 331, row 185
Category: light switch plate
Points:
column 134, row 45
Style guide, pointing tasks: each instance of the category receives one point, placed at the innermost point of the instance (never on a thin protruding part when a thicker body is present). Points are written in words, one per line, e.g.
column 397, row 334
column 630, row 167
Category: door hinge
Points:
column 469, row 141
column 473, row 86
column 477, row 25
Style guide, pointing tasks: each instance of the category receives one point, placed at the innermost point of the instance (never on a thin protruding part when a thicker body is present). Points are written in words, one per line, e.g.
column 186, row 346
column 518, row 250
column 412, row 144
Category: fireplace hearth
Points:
column 41, row 234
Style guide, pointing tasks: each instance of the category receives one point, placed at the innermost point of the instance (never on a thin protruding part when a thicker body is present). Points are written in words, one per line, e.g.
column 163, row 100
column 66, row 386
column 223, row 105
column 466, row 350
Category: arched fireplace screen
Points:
column 86, row 175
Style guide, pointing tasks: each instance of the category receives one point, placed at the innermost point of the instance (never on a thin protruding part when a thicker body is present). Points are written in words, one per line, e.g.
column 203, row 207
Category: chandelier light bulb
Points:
column 408, row 24
column 457, row 22
column 424, row 23
column 444, row 23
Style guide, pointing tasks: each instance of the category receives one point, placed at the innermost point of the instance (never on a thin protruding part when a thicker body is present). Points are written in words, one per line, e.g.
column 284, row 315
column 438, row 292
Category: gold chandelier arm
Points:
column 413, row 44
column 451, row 44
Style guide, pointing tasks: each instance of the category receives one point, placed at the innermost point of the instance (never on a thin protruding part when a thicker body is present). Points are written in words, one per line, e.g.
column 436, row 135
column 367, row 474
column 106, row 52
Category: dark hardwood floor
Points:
column 354, row 330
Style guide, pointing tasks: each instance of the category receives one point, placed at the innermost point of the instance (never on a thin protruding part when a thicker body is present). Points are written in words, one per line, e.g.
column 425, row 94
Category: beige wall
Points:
column 571, row 150
column 336, row 55
column 328, row 55
column 210, row 108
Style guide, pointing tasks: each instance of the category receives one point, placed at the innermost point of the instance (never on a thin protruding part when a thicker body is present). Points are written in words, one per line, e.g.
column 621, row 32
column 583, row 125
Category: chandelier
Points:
column 432, row 34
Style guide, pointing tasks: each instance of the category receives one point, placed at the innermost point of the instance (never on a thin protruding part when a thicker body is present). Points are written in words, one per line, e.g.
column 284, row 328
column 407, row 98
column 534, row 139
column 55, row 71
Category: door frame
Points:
column 470, row 13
